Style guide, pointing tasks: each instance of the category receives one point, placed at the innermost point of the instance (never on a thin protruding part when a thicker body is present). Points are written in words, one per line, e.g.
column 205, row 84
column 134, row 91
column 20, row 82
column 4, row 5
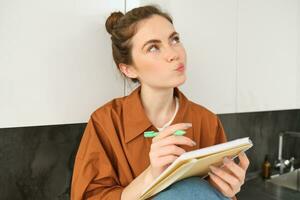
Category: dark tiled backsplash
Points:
column 37, row 162
column 264, row 128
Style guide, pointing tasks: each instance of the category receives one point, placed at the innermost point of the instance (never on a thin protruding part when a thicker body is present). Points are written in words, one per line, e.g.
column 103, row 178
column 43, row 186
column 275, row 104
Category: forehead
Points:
column 155, row 27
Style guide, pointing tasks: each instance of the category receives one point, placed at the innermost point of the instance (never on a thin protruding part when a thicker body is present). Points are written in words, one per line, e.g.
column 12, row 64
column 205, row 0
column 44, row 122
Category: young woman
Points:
column 114, row 159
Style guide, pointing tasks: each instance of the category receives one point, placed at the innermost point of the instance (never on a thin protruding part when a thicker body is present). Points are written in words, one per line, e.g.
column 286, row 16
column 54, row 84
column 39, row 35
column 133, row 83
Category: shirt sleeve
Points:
column 94, row 176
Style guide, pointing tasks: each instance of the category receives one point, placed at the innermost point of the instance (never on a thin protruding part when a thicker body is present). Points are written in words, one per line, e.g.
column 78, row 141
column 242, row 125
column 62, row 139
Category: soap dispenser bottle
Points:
column 266, row 168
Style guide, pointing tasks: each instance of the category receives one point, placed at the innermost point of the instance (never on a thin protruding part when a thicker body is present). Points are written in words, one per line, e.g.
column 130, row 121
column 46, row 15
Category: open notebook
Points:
column 196, row 163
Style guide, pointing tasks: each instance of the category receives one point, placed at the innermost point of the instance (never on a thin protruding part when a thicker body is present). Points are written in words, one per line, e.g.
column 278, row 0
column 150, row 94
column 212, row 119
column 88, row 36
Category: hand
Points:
column 229, row 179
column 164, row 149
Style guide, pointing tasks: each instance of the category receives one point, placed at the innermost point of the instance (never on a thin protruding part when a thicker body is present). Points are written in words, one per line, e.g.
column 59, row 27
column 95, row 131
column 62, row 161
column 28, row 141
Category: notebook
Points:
column 196, row 163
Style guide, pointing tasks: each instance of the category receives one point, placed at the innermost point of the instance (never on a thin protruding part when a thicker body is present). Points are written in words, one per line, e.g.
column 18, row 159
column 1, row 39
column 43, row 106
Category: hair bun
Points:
column 112, row 20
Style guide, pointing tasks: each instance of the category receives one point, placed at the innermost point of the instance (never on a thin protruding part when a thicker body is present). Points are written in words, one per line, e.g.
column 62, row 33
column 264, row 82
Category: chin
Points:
column 180, row 82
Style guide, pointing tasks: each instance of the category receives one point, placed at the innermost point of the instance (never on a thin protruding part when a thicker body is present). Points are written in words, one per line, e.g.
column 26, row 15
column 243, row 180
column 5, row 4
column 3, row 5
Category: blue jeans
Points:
column 190, row 188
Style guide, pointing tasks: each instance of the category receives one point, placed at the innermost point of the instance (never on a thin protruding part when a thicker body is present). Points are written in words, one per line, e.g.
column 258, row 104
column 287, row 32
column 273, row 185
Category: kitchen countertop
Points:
column 259, row 189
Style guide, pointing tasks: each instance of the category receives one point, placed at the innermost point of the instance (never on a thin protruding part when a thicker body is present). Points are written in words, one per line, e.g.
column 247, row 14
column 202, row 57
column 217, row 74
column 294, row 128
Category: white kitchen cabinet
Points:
column 298, row 87
column 56, row 63
column 298, row 76
column 268, row 52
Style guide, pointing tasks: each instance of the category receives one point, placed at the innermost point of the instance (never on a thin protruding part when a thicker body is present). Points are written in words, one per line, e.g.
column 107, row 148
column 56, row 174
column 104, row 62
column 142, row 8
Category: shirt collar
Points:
column 135, row 119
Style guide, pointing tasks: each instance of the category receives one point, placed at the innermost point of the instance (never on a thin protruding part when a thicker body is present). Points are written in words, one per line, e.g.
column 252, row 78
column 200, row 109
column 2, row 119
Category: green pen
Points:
column 179, row 132
column 150, row 134
column 153, row 133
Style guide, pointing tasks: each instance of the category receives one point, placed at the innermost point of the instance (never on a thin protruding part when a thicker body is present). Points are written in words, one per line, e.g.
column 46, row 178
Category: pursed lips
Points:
column 180, row 67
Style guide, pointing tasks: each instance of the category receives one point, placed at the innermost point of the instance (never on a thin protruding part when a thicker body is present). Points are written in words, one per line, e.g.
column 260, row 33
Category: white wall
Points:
column 298, row 76
column 56, row 64
column 55, row 61
column 268, row 43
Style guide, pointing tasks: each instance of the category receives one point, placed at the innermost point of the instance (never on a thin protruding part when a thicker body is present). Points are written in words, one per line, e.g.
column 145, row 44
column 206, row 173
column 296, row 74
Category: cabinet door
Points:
column 268, row 46
column 55, row 61
column 208, row 32
column 298, row 79
column 298, row 76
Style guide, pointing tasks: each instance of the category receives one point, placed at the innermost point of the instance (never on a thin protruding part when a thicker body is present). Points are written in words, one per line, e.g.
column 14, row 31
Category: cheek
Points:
column 182, row 53
column 155, row 70
column 148, row 65
column 149, row 62
column 154, row 67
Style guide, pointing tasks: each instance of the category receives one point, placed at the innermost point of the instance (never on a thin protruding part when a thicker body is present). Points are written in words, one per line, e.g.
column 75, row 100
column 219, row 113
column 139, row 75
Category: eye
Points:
column 176, row 39
column 152, row 48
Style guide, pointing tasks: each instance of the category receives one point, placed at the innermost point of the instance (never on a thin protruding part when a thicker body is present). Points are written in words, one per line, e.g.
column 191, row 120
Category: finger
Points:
column 222, row 186
column 244, row 161
column 235, row 169
column 166, row 160
column 170, row 131
column 177, row 140
column 231, row 180
column 169, row 150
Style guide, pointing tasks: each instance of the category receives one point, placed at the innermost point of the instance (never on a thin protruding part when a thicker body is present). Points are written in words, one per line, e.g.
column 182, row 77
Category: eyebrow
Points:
column 159, row 41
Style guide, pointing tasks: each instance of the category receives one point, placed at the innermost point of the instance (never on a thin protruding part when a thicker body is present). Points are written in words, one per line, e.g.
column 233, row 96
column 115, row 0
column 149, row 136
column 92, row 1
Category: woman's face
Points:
column 157, row 52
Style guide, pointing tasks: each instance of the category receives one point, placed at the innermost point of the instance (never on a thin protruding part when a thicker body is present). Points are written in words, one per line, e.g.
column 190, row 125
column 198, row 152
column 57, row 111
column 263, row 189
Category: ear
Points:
column 128, row 70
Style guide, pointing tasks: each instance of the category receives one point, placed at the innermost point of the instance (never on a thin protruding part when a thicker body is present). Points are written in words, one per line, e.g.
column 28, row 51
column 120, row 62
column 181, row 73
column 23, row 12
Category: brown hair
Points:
column 123, row 27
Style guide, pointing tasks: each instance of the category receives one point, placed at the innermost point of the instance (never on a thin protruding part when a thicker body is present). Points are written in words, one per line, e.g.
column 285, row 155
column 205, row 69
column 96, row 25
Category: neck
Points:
column 159, row 104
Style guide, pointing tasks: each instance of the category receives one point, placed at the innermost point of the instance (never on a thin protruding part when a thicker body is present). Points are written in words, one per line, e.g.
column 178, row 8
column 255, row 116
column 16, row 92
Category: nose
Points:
column 172, row 54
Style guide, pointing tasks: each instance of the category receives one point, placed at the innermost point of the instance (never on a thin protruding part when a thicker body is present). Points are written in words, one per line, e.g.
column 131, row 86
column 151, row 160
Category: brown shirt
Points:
column 113, row 150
